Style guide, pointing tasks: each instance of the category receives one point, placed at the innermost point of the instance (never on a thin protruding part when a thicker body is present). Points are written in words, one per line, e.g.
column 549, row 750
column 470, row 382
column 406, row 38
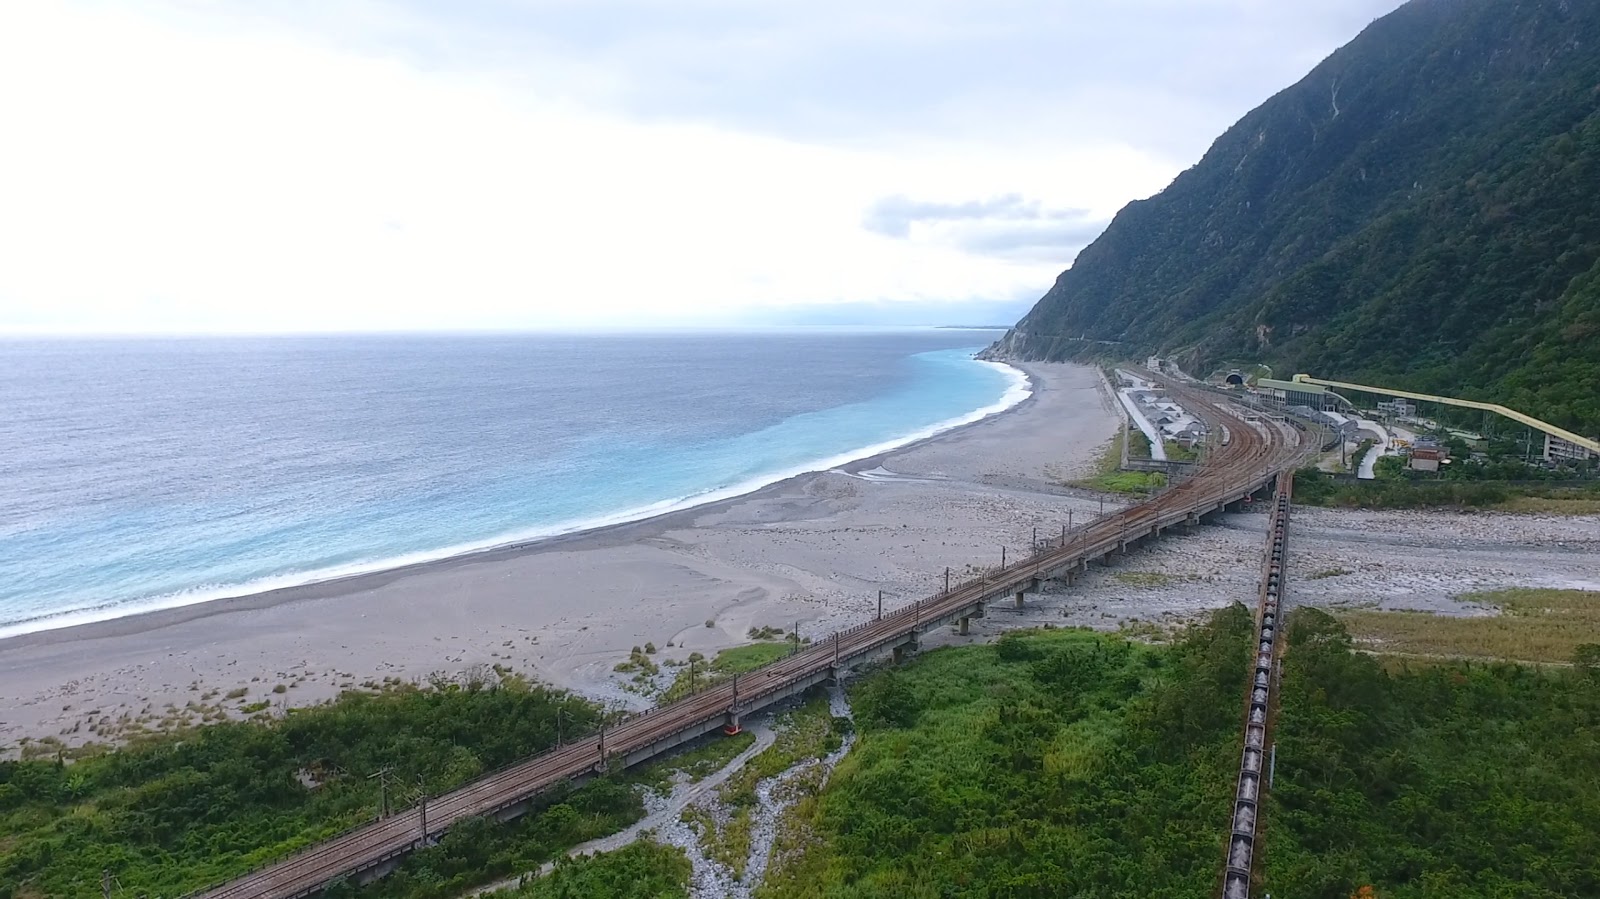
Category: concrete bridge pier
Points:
column 966, row 619
column 1020, row 595
column 903, row 650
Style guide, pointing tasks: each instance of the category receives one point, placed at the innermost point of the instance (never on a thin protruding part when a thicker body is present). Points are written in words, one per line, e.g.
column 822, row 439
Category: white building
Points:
column 1558, row 450
column 1398, row 407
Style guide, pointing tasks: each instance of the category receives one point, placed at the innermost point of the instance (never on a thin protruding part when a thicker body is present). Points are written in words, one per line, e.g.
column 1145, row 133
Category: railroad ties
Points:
column 1244, row 828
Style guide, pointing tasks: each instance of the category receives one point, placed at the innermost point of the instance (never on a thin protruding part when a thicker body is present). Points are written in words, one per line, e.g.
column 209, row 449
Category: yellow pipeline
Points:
column 1514, row 415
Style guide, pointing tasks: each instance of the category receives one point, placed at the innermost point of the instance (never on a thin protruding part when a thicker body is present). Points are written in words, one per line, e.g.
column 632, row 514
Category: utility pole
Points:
column 1035, row 543
column 691, row 675
column 1002, row 557
column 736, row 690
column 880, row 605
column 946, row 580
column 383, row 787
column 423, row 789
column 602, row 744
column 796, row 639
column 560, row 710
column 836, row 649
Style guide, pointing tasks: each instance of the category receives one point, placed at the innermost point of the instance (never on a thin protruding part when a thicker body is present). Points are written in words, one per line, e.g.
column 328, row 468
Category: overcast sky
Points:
column 308, row 165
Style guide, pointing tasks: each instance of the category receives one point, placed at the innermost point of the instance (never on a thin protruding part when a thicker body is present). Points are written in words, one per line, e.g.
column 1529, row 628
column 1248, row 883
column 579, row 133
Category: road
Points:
column 1253, row 453
column 1366, row 469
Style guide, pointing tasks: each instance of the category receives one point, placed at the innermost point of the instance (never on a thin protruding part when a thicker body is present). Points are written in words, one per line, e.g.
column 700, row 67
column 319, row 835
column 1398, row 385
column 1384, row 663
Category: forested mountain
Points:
column 1423, row 209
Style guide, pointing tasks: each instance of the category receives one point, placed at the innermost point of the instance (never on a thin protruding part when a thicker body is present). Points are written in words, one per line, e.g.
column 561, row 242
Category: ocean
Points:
column 138, row 474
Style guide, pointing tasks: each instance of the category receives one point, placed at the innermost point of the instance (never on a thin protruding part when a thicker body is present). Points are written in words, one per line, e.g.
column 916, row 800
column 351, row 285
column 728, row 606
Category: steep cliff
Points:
column 1422, row 209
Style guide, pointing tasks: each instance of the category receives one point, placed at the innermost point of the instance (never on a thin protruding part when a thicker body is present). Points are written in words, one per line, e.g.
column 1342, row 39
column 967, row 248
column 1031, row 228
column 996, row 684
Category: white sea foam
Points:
column 1019, row 389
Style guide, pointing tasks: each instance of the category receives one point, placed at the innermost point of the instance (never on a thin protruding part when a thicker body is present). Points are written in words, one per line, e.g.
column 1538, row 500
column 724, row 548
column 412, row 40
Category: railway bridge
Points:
column 1243, row 461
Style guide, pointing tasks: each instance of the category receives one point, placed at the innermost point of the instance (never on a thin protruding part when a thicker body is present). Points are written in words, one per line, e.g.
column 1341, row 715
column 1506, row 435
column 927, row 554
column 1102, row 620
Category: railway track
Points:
column 1255, row 772
column 1248, row 456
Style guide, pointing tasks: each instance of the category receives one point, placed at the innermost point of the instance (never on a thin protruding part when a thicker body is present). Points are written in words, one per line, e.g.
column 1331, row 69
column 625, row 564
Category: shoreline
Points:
column 811, row 550
column 150, row 615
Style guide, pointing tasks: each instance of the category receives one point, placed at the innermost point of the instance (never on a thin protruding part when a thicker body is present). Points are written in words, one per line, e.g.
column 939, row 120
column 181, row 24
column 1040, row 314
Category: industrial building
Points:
column 1558, row 450
column 1296, row 393
column 1427, row 454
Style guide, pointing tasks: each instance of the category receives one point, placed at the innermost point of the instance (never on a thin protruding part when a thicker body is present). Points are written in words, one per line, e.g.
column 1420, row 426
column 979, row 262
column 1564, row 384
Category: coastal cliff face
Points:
column 1420, row 209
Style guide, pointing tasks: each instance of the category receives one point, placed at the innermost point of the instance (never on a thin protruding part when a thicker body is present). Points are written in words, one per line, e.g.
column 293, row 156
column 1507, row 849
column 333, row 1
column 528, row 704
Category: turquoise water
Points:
column 146, row 474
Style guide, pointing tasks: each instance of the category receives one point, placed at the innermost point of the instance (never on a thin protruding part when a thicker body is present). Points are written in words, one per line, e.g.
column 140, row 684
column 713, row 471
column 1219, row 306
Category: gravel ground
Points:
column 1337, row 559
column 1419, row 561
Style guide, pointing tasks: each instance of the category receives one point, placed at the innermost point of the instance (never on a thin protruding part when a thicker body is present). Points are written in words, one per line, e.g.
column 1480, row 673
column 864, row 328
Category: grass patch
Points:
column 1315, row 488
column 1177, row 452
column 696, row 763
column 730, row 661
column 1463, row 779
column 1573, row 504
column 1138, row 444
column 1108, row 477
column 1534, row 626
column 1047, row 763
column 807, row 732
column 169, row 814
column 638, row 661
column 643, row 869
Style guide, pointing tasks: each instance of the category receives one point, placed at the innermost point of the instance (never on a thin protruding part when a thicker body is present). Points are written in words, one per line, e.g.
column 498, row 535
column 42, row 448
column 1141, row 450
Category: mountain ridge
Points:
column 1418, row 211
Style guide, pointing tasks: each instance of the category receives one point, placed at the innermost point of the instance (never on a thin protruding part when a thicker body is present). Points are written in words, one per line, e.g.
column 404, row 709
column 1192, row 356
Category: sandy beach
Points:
column 811, row 551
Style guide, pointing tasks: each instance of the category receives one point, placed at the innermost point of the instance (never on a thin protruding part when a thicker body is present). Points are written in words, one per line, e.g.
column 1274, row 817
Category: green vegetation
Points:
column 1416, row 212
column 731, row 661
column 808, row 732
column 1315, row 488
column 638, row 661
column 480, row 850
column 1460, row 780
column 1533, row 626
column 1133, row 482
column 1109, row 477
column 1177, row 452
column 642, row 870
column 767, row 632
column 1138, row 443
column 707, row 757
column 1049, row 763
column 168, row 814
column 1360, row 454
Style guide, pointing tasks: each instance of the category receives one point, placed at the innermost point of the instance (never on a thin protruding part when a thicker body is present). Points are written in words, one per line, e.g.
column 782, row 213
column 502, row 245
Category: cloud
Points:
column 893, row 216
column 1007, row 226
column 377, row 164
